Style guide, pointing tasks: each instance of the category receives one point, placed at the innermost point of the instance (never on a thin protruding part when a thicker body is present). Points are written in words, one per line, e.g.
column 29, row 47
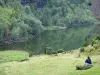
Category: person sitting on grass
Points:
column 88, row 64
column 88, row 61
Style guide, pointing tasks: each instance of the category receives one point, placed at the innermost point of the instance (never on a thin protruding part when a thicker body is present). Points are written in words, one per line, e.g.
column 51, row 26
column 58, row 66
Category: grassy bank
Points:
column 8, row 56
column 63, row 64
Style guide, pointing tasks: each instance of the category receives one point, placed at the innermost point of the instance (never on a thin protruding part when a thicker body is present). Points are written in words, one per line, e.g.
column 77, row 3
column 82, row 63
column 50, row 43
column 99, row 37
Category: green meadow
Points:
column 63, row 64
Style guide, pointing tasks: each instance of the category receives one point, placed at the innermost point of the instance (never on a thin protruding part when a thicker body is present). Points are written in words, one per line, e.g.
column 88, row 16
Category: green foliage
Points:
column 93, row 48
column 48, row 50
column 19, row 29
column 73, row 17
column 82, row 49
column 97, row 38
column 30, row 54
column 18, row 20
column 5, row 20
column 93, row 42
column 60, row 51
column 85, row 44
column 66, row 13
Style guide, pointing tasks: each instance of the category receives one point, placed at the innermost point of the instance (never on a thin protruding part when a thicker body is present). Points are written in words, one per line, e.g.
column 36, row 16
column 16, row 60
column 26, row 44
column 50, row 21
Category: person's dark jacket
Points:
column 88, row 61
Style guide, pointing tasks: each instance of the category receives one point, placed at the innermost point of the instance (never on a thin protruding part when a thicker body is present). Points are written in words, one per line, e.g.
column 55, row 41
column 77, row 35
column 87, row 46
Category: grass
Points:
column 63, row 64
column 94, row 71
column 42, row 65
column 8, row 56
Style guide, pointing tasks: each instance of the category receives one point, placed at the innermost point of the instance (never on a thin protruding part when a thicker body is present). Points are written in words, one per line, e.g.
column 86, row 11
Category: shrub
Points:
column 97, row 38
column 54, row 53
column 93, row 42
column 96, row 46
column 82, row 49
column 60, row 51
column 48, row 50
column 30, row 54
column 85, row 44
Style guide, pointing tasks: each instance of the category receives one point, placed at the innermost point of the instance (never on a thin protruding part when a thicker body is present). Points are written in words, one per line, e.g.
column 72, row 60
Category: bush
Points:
column 48, row 50
column 30, row 54
column 93, row 42
column 60, row 51
column 97, row 38
column 54, row 53
column 96, row 46
column 82, row 49
column 85, row 44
